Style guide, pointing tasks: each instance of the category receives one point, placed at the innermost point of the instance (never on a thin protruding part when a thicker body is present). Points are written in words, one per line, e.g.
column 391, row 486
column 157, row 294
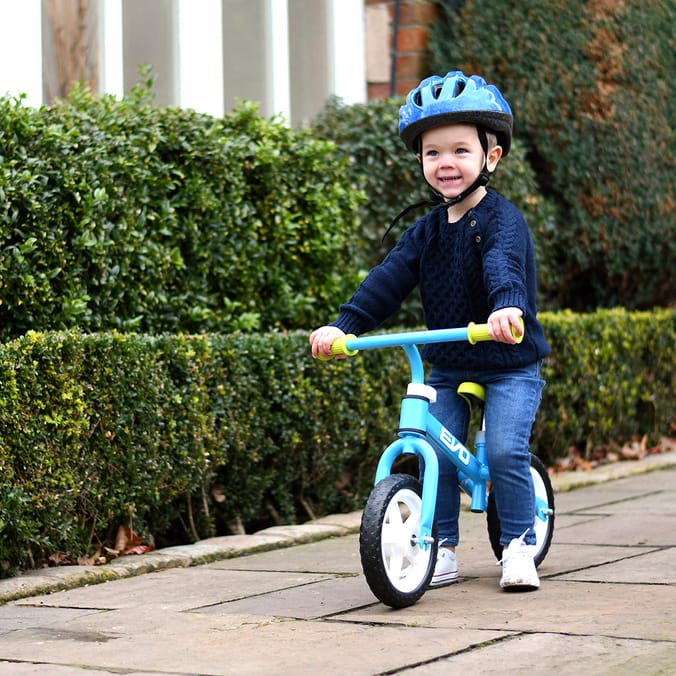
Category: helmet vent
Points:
column 455, row 99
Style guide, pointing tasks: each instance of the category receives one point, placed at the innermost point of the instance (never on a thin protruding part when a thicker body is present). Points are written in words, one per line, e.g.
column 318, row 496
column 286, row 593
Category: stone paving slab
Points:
column 535, row 655
column 579, row 608
column 651, row 567
column 176, row 589
column 342, row 557
column 324, row 598
column 659, row 503
column 14, row 617
column 631, row 529
column 606, row 604
column 196, row 643
column 40, row 669
column 567, row 558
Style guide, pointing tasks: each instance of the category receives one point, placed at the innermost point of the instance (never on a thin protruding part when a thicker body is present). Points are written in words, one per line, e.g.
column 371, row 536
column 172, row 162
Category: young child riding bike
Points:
column 472, row 258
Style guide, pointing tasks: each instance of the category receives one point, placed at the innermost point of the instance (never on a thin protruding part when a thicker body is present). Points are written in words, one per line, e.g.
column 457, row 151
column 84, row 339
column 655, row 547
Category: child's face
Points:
column 452, row 158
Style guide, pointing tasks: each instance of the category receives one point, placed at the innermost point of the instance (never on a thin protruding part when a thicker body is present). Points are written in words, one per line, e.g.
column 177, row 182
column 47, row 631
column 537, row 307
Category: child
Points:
column 472, row 258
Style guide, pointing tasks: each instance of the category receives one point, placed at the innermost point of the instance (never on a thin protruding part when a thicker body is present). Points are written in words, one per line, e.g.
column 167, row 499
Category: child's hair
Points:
column 491, row 139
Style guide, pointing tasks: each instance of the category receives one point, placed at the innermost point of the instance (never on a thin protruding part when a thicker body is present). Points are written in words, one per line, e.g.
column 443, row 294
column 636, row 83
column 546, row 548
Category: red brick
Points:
column 403, row 87
column 378, row 90
column 413, row 39
column 409, row 65
column 418, row 12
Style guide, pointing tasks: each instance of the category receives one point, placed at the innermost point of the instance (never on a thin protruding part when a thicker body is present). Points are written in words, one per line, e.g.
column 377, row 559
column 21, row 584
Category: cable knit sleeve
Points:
column 506, row 257
column 386, row 286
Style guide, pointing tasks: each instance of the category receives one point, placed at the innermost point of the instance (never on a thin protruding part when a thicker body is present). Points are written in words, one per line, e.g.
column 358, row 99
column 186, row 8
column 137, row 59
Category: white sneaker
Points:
column 518, row 567
column 446, row 568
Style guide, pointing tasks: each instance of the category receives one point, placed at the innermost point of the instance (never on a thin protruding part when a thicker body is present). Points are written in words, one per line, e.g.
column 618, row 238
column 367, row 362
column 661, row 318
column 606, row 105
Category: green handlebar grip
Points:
column 338, row 346
column 479, row 332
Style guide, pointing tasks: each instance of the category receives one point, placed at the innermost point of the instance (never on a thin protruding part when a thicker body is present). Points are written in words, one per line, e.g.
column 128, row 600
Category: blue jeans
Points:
column 512, row 400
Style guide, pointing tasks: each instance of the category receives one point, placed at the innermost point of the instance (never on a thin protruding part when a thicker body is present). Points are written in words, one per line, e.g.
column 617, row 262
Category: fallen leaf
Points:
column 138, row 549
column 61, row 559
column 126, row 538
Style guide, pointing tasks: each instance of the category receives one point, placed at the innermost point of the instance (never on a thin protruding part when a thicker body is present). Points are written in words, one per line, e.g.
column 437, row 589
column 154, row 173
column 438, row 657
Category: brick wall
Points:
column 415, row 16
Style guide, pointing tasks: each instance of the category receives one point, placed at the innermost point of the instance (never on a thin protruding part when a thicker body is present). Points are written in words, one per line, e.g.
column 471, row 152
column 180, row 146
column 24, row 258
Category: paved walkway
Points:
column 607, row 604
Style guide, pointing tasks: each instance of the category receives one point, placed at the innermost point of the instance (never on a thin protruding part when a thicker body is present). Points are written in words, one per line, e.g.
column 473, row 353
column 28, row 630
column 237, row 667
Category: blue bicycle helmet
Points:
column 455, row 98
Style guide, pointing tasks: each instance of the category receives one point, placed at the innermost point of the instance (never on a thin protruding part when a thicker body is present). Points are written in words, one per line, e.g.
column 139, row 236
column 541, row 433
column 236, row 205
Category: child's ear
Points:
column 494, row 155
column 418, row 157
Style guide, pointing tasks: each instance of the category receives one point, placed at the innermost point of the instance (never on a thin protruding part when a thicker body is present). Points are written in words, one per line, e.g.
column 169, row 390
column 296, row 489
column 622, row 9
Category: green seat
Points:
column 473, row 393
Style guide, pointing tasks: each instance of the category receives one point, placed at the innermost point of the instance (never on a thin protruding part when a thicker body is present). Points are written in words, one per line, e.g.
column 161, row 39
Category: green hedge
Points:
column 115, row 214
column 610, row 376
column 592, row 86
column 180, row 436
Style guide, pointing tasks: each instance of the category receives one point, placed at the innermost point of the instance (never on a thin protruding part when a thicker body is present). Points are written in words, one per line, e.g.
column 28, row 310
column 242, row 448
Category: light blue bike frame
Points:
column 420, row 432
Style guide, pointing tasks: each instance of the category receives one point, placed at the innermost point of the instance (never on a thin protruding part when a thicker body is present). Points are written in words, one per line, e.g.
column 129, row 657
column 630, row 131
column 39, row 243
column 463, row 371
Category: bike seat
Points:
column 473, row 393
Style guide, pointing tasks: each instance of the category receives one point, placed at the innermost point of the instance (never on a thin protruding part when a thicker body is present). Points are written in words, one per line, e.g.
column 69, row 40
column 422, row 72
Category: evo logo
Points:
column 454, row 446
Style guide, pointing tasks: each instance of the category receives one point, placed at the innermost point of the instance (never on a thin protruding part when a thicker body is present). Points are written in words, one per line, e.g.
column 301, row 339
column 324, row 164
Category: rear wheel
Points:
column 397, row 568
column 543, row 522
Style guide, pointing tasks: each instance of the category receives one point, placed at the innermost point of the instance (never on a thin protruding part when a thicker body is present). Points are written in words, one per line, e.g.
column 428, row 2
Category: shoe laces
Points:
column 443, row 552
column 514, row 548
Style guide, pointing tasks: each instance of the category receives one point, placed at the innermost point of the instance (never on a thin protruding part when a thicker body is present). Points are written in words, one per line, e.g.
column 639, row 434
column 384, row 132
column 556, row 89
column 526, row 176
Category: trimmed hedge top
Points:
column 118, row 214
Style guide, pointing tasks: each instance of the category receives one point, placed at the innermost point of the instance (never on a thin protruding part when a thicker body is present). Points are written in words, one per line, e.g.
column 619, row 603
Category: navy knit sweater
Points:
column 465, row 271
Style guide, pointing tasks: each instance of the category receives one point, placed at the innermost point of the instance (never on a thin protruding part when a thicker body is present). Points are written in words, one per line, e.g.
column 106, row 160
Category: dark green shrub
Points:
column 118, row 214
column 96, row 432
column 610, row 376
column 182, row 436
column 177, row 436
column 592, row 88
column 389, row 175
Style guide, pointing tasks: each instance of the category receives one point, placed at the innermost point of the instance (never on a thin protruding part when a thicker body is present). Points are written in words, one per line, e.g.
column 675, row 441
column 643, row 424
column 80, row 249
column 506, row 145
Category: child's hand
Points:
column 500, row 323
column 321, row 340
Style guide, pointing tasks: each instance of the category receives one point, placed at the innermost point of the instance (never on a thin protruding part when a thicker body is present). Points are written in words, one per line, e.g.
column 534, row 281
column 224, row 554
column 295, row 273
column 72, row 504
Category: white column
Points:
column 347, row 56
column 112, row 55
column 150, row 37
column 200, row 54
column 278, row 58
column 21, row 49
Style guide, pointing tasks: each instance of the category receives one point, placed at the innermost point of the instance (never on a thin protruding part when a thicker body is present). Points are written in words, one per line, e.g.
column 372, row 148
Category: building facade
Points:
column 288, row 55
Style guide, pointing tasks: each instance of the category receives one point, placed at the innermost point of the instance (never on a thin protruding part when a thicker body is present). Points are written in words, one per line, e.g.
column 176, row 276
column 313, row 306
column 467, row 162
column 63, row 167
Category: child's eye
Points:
column 432, row 153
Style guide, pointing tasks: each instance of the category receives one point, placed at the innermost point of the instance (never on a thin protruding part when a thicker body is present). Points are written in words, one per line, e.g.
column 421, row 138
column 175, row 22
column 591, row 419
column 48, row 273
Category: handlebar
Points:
column 350, row 344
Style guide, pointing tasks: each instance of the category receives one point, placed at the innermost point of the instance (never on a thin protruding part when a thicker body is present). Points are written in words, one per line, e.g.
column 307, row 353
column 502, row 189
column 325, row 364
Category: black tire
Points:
column 397, row 569
column 544, row 529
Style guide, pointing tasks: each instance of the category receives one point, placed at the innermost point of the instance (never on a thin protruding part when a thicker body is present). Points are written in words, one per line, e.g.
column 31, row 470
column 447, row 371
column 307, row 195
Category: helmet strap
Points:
column 437, row 199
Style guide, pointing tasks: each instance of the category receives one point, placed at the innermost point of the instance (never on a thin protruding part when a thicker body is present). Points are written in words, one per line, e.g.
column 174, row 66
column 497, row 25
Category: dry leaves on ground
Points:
column 634, row 449
column 127, row 542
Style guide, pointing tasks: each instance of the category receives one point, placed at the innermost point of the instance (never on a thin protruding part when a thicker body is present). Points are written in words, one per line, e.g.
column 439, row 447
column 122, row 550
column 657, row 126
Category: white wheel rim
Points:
column 540, row 527
column 406, row 564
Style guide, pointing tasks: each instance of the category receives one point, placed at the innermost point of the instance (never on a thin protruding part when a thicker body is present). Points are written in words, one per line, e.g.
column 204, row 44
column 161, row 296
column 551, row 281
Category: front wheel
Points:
column 543, row 522
column 397, row 567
